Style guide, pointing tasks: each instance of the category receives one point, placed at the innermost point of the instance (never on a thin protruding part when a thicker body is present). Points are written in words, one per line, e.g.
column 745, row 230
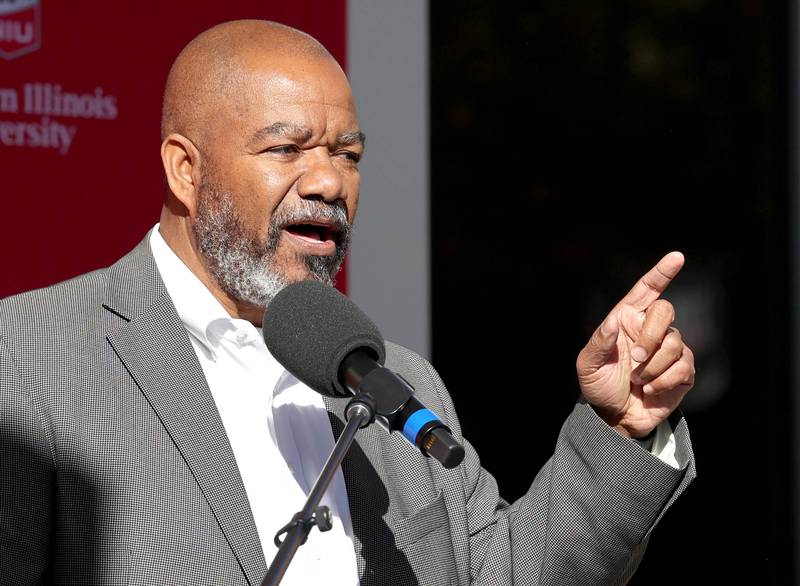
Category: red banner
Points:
column 80, row 100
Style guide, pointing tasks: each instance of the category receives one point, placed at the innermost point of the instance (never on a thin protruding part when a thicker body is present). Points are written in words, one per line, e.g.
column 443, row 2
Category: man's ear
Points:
column 181, row 161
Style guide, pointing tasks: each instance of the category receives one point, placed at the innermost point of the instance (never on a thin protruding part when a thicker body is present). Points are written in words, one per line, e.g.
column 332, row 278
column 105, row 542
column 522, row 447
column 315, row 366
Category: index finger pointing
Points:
column 655, row 281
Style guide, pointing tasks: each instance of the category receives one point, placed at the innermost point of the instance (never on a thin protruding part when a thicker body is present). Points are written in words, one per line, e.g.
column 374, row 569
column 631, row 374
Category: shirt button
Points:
column 241, row 338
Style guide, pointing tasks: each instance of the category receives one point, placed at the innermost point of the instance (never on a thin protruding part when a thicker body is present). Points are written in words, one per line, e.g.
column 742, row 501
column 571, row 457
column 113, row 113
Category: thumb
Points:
column 600, row 347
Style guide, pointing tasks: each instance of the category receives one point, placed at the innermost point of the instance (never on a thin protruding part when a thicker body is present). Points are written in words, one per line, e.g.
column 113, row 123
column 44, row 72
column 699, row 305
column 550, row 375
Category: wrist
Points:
column 646, row 442
column 617, row 421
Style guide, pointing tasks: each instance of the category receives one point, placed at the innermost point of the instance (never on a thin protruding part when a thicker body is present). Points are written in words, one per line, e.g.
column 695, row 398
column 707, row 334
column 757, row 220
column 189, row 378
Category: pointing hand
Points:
column 636, row 369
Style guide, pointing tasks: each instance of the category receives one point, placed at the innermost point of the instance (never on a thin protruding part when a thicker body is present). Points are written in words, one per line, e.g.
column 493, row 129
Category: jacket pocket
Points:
column 424, row 537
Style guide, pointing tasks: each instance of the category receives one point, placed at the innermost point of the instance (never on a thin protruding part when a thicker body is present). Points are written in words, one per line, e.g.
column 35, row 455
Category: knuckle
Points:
column 664, row 309
column 692, row 374
column 673, row 345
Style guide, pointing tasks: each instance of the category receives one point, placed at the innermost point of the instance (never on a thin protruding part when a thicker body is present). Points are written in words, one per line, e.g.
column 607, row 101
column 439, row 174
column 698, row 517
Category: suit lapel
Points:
column 155, row 348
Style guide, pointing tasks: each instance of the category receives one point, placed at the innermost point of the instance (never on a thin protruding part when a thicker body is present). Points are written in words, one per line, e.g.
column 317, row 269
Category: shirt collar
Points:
column 201, row 313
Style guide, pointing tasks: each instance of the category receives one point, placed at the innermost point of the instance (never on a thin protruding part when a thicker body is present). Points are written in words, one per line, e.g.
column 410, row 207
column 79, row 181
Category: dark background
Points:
column 573, row 144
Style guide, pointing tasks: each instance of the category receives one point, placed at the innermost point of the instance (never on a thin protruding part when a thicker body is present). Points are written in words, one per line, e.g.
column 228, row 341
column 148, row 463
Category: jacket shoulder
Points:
column 77, row 303
column 50, row 310
column 411, row 366
column 48, row 332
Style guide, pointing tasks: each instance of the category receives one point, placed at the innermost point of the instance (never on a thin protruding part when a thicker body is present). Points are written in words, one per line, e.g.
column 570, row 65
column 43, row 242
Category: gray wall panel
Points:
column 389, row 263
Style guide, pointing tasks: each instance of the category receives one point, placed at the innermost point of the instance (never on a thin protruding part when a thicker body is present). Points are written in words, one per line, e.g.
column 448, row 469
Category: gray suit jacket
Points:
column 115, row 467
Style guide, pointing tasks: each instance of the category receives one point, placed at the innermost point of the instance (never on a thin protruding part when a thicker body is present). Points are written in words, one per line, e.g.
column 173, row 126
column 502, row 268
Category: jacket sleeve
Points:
column 588, row 514
column 26, row 481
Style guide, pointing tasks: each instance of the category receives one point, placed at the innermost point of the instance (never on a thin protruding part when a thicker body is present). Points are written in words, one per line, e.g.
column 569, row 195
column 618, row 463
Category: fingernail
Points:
column 647, row 389
column 639, row 354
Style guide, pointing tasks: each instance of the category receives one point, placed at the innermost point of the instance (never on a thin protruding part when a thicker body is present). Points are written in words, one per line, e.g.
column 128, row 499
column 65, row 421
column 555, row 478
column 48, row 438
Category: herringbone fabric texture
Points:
column 115, row 467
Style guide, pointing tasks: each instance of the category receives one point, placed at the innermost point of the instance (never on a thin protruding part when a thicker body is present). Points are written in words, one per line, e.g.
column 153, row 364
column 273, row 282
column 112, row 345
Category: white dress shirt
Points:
column 664, row 445
column 278, row 428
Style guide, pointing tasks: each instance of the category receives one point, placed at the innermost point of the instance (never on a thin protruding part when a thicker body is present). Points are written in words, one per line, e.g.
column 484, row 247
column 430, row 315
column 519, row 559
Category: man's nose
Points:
column 321, row 178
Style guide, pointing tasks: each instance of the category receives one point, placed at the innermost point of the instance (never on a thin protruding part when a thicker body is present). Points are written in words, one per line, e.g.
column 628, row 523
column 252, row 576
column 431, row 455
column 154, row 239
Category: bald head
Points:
column 208, row 74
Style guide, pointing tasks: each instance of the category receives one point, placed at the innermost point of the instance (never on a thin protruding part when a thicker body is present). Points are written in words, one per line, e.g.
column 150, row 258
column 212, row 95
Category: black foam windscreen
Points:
column 310, row 327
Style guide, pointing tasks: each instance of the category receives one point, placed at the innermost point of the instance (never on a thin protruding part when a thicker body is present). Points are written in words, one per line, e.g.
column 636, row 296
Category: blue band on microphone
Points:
column 417, row 420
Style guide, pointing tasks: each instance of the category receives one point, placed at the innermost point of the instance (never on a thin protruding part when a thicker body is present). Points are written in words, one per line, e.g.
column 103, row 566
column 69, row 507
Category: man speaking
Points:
column 147, row 436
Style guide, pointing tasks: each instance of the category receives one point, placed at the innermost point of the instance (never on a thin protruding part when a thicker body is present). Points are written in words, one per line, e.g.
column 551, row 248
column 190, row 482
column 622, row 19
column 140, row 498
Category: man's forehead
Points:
column 302, row 98
column 322, row 85
column 280, row 89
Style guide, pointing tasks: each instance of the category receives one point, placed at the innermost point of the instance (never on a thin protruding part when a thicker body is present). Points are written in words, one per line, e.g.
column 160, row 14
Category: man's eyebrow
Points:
column 302, row 134
column 295, row 131
column 351, row 138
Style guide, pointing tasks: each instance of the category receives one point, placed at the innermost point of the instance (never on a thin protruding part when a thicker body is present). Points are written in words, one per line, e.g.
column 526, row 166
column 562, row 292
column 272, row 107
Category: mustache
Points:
column 308, row 211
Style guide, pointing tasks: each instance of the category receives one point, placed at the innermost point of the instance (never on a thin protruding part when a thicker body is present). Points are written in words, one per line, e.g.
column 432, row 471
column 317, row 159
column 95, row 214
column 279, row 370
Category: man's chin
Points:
column 305, row 275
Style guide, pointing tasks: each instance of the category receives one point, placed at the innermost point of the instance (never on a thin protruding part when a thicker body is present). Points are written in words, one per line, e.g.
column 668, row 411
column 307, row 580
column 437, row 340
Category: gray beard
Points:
column 244, row 267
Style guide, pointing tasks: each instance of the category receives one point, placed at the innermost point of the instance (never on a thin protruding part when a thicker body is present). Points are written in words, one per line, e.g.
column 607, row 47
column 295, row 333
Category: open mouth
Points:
column 317, row 232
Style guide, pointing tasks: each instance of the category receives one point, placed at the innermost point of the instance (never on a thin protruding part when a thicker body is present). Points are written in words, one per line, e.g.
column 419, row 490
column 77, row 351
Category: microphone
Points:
column 328, row 343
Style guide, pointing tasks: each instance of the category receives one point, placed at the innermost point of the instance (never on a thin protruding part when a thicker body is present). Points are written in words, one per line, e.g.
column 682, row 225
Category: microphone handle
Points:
column 423, row 428
column 397, row 409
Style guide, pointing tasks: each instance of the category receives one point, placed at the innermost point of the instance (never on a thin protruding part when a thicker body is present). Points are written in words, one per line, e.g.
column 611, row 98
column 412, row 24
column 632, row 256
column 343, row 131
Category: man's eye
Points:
column 283, row 149
column 350, row 155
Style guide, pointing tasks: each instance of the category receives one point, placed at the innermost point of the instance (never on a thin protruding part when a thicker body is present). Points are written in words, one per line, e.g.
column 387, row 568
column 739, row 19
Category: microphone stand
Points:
column 360, row 413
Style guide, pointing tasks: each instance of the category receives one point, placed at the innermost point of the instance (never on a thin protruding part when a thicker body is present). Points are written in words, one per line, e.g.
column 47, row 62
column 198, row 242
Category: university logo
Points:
column 20, row 27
